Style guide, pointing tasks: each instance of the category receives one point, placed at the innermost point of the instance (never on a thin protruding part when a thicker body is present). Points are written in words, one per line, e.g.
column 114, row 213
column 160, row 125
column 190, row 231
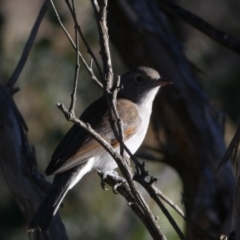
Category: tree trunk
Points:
column 18, row 163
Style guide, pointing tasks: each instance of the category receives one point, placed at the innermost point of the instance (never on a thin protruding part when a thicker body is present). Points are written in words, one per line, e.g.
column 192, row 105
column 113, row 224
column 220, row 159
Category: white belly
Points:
column 106, row 163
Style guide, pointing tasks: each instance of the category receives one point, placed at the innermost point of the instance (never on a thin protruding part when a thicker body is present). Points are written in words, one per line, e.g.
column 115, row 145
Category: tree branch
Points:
column 89, row 68
column 101, row 14
column 219, row 36
column 18, row 163
column 154, row 192
column 77, row 26
column 233, row 146
column 28, row 46
column 73, row 95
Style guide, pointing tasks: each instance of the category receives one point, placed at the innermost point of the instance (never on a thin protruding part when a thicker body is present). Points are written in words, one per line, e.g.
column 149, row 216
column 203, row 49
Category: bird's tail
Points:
column 48, row 208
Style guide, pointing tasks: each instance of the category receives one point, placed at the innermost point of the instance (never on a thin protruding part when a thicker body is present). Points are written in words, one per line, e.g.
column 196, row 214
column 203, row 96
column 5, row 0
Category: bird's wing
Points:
column 77, row 147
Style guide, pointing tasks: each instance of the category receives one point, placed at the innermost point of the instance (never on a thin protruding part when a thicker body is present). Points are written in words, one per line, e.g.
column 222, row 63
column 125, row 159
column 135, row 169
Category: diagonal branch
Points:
column 89, row 68
column 157, row 192
column 219, row 36
column 17, row 71
column 233, row 146
column 77, row 26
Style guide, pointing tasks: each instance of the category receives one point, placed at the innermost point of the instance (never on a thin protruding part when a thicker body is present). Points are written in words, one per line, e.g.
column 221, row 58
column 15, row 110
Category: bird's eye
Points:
column 138, row 79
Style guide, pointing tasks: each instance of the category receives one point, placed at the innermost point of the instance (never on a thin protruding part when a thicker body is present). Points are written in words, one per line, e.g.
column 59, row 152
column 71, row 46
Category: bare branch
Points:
column 118, row 119
column 140, row 178
column 125, row 191
column 170, row 218
column 101, row 14
column 219, row 36
column 89, row 50
column 179, row 211
column 232, row 146
column 28, row 46
column 89, row 69
column 73, row 95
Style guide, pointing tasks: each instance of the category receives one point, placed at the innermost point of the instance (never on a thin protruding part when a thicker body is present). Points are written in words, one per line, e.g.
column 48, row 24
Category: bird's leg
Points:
column 113, row 174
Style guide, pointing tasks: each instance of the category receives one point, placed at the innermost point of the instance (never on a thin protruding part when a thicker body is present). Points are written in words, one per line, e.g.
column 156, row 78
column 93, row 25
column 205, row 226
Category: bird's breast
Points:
column 136, row 140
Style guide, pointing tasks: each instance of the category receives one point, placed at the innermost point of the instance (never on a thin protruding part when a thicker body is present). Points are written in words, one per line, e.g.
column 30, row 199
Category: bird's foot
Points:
column 113, row 174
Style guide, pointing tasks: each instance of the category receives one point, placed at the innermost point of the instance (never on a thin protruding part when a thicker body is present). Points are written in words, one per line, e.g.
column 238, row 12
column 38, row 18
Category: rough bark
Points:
column 188, row 128
column 18, row 164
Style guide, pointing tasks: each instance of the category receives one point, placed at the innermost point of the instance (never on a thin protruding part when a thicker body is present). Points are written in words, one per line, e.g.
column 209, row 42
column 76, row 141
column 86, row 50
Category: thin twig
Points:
column 74, row 93
column 89, row 50
column 170, row 218
column 233, row 145
column 219, row 36
column 89, row 69
column 148, row 186
column 168, row 201
column 101, row 13
column 28, row 46
column 118, row 119
column 179, row 211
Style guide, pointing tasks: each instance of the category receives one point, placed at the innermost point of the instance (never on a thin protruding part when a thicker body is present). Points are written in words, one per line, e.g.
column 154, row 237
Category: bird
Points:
column 78, row 153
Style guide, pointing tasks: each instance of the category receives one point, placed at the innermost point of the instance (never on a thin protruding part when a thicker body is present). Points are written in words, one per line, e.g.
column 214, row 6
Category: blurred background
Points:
column 89, row 212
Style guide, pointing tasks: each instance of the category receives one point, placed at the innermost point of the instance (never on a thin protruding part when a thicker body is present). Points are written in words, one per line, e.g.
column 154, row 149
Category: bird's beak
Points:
column 162, row 82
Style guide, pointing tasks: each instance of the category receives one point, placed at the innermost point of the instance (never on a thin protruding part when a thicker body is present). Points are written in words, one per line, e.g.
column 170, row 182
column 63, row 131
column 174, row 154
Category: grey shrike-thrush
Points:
column 78, row 153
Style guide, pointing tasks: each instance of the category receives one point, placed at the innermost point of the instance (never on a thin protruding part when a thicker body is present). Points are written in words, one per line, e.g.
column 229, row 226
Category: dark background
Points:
column 89, row 212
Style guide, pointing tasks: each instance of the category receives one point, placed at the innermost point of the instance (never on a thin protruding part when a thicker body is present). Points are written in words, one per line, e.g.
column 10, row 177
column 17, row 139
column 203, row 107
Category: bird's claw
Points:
column 103, row 176
column 113, row 174
column 116, row 186
column 103, row 185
